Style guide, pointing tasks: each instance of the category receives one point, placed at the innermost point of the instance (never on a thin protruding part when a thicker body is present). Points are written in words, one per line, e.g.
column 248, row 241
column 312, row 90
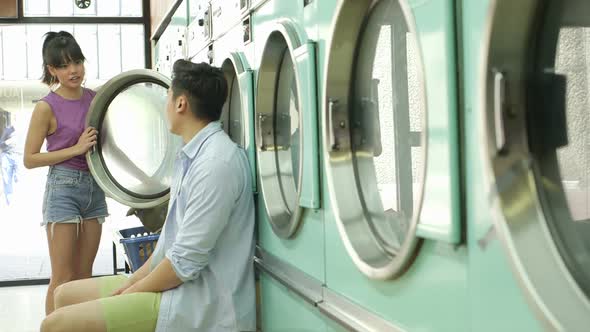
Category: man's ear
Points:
column 181, row 103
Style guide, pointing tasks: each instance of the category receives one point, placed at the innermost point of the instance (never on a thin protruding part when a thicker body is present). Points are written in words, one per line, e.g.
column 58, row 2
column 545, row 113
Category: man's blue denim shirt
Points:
column 208, row 237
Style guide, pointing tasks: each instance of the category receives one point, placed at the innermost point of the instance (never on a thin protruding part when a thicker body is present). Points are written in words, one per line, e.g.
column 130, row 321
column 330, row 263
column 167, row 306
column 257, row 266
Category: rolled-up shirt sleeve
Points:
column 208, row 197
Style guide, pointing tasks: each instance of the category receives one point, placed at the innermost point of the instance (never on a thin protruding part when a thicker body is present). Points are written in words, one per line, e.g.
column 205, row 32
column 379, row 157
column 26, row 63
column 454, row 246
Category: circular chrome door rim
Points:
column 347, row 206
column 239, row 65
column 283, row 224
column 103, row 98
column 518, row 215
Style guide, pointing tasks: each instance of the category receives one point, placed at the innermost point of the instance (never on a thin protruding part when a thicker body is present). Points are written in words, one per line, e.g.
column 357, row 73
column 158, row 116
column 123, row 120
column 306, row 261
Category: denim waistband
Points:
column 67, row 170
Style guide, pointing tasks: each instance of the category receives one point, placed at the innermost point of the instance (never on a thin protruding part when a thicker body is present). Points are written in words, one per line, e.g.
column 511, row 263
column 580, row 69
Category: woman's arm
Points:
column 39, row 129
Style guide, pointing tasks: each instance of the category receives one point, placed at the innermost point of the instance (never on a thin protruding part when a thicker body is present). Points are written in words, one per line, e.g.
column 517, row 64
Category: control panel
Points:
column 226, row 14
column 199, row 29
column 170, row 47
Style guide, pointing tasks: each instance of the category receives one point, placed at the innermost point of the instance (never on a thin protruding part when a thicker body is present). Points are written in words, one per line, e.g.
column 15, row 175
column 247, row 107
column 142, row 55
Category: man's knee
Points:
column 61, row 295
column 53, row 322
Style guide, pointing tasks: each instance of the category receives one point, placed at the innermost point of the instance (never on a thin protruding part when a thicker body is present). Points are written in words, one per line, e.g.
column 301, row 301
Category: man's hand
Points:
column 129, row 290
column 122, row 289
column 160, row 279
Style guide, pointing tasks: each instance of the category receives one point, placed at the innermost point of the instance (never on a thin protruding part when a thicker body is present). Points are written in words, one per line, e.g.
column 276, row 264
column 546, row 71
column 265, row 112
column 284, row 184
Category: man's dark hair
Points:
column 204, row 86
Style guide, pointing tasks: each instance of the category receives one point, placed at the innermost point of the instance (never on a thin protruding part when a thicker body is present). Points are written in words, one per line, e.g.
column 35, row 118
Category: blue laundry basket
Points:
column 137, row 249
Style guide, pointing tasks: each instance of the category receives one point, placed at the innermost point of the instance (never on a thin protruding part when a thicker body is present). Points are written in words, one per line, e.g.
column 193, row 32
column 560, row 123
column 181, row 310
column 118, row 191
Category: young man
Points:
column 200, row 276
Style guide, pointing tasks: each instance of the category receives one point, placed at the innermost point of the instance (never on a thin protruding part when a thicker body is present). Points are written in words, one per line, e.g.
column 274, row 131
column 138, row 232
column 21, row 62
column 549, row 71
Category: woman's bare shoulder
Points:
column 43, row 110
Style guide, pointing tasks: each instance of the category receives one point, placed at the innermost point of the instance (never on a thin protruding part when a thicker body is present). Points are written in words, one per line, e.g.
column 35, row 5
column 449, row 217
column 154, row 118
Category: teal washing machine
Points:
column 345, row 240
column 529, row 103
column 394, row 259
column 233, row 52
column 370, row 217
column 290, row 258
column 385, row 229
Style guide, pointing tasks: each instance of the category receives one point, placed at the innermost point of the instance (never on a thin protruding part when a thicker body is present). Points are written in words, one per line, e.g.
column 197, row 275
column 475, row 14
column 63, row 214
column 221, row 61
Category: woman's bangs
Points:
column 64, row 54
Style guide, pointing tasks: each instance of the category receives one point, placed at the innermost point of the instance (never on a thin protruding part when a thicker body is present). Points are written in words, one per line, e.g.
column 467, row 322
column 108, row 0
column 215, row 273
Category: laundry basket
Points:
column 138, row 247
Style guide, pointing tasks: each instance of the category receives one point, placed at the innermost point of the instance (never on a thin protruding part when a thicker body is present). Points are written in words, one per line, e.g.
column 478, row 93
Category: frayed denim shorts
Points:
column 72, row 196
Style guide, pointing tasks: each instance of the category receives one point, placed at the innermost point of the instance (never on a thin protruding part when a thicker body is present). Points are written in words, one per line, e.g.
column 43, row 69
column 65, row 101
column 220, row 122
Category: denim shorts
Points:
column 72, row 196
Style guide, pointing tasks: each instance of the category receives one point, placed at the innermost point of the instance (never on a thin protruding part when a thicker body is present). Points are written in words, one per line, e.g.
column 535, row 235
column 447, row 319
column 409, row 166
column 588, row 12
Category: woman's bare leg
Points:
column 61, row 239
column 87, row 247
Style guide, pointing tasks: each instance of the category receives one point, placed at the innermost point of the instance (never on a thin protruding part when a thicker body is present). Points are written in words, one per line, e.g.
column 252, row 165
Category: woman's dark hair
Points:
column 59, row 48
column 204, row 85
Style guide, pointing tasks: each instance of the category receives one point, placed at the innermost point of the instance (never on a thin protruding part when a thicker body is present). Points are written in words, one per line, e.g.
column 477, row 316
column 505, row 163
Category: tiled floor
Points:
column 22, row 308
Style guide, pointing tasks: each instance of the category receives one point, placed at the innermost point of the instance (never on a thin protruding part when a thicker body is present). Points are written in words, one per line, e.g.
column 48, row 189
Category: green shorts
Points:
column 137, row 312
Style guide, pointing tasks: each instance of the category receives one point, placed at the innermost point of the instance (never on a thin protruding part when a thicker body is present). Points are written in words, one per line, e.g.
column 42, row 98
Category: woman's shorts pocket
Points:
column 64, row 181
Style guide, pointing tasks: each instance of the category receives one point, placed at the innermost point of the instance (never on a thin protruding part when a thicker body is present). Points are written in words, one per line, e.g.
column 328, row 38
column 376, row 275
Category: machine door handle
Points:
column 499, row 109
column 338, row 127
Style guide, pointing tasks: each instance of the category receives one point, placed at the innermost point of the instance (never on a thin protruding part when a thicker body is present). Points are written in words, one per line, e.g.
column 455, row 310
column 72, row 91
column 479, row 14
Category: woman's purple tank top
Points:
column 71, row 121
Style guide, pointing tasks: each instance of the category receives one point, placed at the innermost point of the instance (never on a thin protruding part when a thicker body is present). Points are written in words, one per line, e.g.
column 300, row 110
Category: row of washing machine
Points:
column 419, row 165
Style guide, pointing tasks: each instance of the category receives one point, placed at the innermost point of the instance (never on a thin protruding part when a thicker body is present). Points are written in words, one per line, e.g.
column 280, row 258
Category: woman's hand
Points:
column 86, row 141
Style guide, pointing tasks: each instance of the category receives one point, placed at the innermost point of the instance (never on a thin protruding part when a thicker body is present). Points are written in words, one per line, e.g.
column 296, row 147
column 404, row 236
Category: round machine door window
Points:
column 279, row 132
column 572, row 62
column 375, row 135
column 133, row 160
column 286, row 128
column 236, row 116
column 232, row 113
column 537, row 116
column 559, row 135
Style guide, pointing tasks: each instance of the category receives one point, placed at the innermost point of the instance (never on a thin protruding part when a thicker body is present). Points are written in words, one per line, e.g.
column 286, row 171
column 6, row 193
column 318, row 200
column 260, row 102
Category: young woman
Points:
column 74, row 206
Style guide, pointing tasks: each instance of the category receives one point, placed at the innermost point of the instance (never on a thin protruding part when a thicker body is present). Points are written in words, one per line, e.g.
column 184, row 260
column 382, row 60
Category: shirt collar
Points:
column 191, row 148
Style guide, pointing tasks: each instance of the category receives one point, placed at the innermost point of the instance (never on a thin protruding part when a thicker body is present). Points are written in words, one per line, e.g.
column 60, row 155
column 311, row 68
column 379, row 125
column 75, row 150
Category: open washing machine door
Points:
column 229, row 52
column 375, row 134
column 134, row 156
column 286, row 128
column 537, row 146
column 238, row 111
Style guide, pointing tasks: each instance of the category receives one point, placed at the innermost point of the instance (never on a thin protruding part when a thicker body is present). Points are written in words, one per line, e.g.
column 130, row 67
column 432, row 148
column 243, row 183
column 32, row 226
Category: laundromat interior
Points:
column 416, row 165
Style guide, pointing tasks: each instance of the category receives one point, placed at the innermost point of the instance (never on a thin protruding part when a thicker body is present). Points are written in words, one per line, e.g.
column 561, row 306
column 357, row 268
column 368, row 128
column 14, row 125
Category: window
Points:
column 97, row 8
column 109, row 49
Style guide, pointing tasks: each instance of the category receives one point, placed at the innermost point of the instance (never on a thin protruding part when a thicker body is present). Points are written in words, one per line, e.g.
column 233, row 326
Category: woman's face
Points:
column 70, row 75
